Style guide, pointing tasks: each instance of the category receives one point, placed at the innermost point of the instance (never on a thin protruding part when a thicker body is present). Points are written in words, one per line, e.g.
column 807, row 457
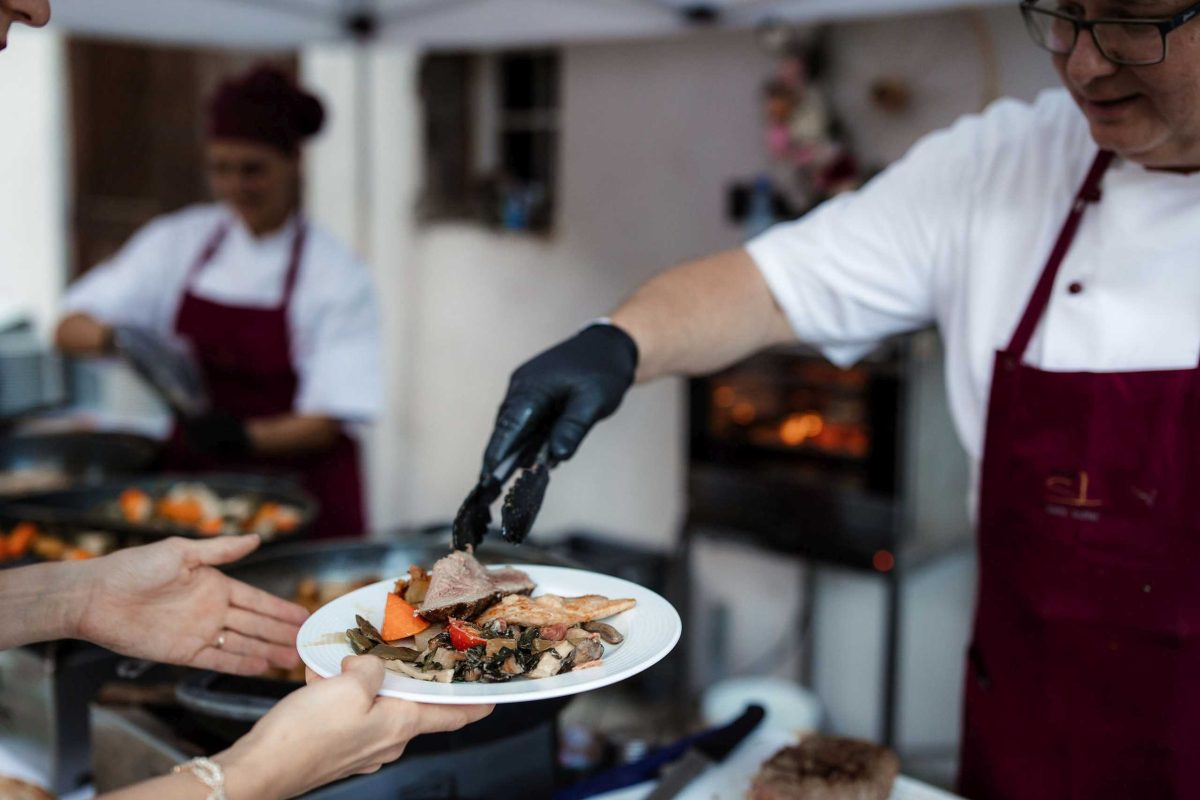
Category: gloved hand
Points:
column 566, row 390
column 217, row 433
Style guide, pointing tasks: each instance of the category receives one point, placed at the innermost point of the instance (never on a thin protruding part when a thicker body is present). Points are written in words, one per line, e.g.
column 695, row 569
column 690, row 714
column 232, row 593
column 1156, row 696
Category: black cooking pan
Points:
column 91, row 507
column 78, row 456
column 228, row 706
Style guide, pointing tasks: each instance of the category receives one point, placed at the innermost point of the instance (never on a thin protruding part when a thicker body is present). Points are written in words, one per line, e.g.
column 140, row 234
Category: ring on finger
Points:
column 220, row 640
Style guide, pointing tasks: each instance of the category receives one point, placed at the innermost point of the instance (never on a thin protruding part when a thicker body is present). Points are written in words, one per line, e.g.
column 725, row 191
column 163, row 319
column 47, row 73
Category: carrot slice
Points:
column 21, row 538
column 211, row 526
column 400, row 620
column 184, row 510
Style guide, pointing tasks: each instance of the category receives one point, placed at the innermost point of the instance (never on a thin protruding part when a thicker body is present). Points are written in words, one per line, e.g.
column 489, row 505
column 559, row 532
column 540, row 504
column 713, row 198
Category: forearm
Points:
column 241, row 783
column 83, row 335
column 292, row 434
column 701, row 316
column 40, row 603
column 170, row 787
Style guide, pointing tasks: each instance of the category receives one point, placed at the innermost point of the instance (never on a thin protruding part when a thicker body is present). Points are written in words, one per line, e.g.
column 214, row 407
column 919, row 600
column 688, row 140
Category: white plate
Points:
column 651, row 629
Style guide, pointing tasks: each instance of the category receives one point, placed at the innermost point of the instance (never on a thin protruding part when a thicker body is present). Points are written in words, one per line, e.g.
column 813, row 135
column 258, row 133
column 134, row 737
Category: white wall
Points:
column 33, row 170
column 361, row 181
column 945, row 58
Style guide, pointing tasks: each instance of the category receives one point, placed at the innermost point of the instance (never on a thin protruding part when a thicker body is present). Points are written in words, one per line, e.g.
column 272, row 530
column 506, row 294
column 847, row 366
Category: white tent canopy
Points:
column 447, row 23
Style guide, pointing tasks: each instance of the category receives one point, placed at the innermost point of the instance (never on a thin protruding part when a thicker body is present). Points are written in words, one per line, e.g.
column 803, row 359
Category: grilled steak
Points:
column 461, row 587
column 827, row 768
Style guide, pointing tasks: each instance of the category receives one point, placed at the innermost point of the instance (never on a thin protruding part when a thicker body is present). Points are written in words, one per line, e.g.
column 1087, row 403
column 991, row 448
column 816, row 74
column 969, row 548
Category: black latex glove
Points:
column 565, row 391
column 217, row 434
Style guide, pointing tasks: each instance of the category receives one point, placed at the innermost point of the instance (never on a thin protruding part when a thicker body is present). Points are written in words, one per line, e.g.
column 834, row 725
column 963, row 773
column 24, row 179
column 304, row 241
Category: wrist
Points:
column 59, row 597
column 78, row 578
column 84, row 587
column 248, row 777
column 618, row 335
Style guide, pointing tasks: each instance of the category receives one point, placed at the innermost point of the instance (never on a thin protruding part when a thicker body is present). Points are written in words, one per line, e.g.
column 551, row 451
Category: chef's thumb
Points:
column 224, row 549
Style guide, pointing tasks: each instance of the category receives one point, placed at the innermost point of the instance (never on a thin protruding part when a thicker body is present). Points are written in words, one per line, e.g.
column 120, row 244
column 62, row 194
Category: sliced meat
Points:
column 511, row 581
column 460, row 587
column 827, row 767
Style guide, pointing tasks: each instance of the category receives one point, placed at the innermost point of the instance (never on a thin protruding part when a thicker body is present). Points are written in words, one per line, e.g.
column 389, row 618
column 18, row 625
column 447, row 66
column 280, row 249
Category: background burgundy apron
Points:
column 245, row 355
column 1083, row 679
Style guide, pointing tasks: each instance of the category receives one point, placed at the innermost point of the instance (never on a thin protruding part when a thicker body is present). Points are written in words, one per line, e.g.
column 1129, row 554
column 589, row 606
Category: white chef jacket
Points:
column 333, row 317
column 957, row 233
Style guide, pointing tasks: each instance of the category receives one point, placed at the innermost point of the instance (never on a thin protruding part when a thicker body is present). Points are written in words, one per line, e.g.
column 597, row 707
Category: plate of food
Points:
column 456, row 632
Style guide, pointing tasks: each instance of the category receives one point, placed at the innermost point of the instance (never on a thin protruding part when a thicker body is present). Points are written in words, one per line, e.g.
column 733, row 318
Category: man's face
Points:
column 34, row 13
column 257, row 181
column 1147, row 114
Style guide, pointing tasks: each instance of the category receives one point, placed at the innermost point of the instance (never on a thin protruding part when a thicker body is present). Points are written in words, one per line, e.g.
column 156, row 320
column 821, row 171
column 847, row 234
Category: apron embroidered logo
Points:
column 1069, row 491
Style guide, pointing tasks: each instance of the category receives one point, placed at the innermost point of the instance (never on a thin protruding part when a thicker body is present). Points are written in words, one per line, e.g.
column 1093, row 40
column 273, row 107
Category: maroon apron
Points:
column 1083, row 678
column 245, row 355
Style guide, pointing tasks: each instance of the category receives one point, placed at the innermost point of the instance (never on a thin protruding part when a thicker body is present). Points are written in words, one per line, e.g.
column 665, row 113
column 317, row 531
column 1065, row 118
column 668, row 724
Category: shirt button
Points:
column 1075, row 288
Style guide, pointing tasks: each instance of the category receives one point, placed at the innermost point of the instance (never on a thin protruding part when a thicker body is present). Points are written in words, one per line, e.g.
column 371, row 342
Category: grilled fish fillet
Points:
column 550, row 609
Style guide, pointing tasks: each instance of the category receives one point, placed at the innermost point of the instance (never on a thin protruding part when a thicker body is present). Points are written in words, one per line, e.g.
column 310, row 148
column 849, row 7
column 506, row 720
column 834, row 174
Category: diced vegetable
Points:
column 400, row 620
column 185, row 510
column 21, row 538
column 211, row 526
column 422, row 639
column 135, row 504
column 50, row 548
column 464, row 635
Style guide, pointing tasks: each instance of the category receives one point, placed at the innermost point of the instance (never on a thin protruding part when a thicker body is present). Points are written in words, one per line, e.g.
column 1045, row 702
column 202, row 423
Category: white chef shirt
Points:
column 333, row 318
column 957, row 232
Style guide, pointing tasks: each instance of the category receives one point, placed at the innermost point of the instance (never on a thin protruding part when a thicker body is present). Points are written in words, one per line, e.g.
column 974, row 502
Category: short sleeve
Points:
column 136, row 287
column 338, row 351
column 868, row 264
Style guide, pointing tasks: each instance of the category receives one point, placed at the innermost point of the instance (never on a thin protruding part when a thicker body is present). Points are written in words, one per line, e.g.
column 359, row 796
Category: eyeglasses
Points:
column 1132, row 42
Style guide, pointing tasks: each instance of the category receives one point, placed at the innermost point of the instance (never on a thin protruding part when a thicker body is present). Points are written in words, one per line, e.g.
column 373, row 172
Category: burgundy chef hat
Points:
column 265, row 106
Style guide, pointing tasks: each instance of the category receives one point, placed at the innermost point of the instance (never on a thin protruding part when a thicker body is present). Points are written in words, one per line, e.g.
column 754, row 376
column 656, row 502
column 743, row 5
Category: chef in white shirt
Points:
column 279, row 315
column 1056, row 245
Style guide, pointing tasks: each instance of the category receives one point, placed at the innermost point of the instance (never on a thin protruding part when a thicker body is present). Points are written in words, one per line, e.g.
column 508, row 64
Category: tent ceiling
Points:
column 445, row 23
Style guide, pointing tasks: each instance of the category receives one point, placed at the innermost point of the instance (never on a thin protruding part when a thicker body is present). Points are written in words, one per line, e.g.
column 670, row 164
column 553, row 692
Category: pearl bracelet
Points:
column 207, row 772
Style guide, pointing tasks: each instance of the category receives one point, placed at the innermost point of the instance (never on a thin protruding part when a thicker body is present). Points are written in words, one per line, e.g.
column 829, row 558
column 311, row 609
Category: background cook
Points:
column 280, row 317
